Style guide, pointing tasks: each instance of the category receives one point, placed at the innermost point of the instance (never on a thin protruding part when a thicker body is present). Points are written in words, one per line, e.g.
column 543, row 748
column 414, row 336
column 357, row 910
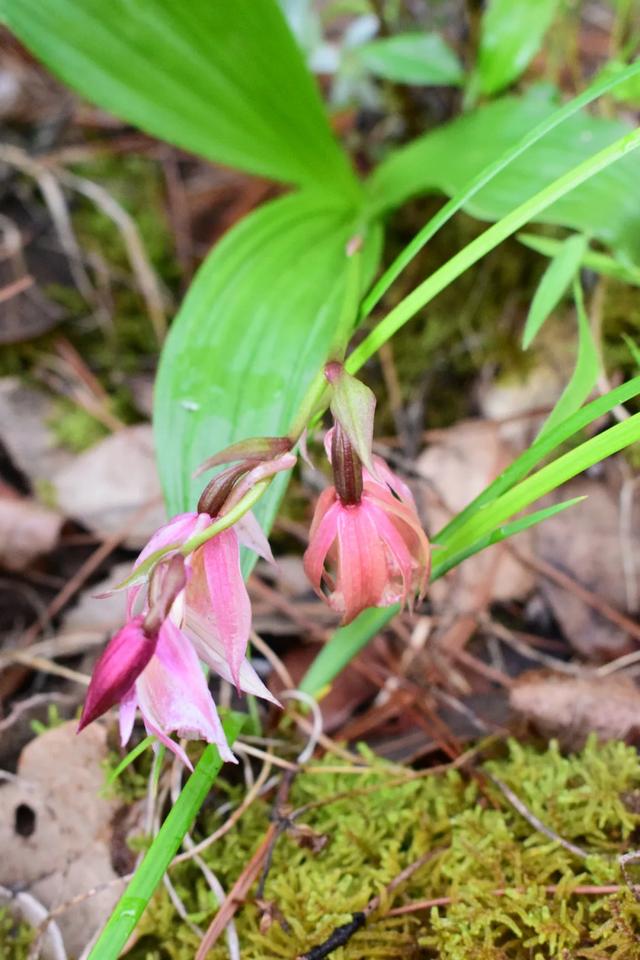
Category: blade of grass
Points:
column 482, row 521
column 599, row 262
column 130, row 757
column 541, row 448
column 485, row 176
column 441, row 567
column 133, row 902
column 585, row 374
column 490, row 238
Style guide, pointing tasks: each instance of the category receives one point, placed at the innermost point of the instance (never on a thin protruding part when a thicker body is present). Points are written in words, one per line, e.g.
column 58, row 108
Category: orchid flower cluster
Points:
column 187, row 603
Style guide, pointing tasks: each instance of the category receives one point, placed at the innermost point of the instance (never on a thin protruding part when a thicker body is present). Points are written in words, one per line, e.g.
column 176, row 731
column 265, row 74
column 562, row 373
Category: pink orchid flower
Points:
column 152, row 663
column 366, row 545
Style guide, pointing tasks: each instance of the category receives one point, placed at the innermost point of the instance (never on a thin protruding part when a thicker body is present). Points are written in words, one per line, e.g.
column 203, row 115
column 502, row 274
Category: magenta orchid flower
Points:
column 152, row 663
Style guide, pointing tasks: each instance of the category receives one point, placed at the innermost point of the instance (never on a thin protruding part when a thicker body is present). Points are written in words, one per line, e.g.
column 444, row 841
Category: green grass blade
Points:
column 130, row 757
column 585, row 374
column 133, row 902
column 592, row 259
column 490, row 238
column 483, row 178
column 553, row 285
column 539, row 450
column 440, row 567
column 484, row 520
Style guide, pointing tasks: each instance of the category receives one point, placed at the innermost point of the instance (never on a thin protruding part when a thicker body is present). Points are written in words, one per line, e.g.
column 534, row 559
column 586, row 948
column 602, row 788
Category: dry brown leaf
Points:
column 24, row 414
column 586, row 543
column 461, row 464
column 111, row 482
column 570, row 708
column 27, row 530
column 55, row 828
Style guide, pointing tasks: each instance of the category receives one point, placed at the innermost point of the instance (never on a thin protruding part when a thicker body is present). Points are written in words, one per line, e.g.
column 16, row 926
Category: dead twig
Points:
column 531, row 818
column 586, row 889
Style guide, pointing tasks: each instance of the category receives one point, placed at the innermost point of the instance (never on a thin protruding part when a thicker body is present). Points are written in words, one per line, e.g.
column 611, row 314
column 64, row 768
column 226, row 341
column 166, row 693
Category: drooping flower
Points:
column 367, row 547
column 152, row 663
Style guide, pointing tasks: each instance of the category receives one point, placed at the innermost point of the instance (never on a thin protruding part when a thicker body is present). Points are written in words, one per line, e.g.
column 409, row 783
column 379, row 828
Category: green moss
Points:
column 15, row 938
column 481, row 845
column 73, row 427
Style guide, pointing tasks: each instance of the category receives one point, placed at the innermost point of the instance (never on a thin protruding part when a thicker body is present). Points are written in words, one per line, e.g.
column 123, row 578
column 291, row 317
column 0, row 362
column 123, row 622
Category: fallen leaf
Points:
column 106, row 487
column 27, row 530
column 586, row 543
column 32, row 447
column 569, row 708
column 55, row 829
column 456, row 469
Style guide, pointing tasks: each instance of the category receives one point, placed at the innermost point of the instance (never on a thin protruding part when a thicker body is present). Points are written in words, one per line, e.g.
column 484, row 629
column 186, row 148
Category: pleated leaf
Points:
column 255, row 328
column 222, row 79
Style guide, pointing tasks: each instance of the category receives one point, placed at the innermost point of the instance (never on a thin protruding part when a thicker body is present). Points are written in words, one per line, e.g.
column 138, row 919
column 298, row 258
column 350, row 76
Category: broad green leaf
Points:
column 253, row 331
column 446, row 159
column 511, row 35
column 585, row 375
column 417, row 58
column 553, row 285
column 225, row 80
column 592, row 259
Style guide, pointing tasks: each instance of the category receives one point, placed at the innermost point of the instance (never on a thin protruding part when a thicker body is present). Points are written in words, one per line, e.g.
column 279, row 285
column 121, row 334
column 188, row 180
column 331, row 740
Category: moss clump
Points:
column 15, row 937
column 481, row 845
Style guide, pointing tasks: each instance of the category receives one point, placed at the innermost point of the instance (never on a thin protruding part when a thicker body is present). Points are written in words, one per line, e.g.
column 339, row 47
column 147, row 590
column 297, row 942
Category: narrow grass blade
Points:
column 488, row 240
column 539, row 450
column 483, row 178
column 592, row 259
column 553, row 285
column 585, row 374
column 132, row 904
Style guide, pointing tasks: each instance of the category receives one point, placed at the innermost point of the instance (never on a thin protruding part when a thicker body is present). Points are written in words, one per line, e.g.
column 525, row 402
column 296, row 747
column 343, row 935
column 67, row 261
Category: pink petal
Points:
column 387, row 478
column 250, row 535
column 217, row 592
column 178, row 530
column 321, row 537
column 212, row 652
column 127, row 715
column 173, row 694
column 125, row 657
column 401, row 555
column 362, row 564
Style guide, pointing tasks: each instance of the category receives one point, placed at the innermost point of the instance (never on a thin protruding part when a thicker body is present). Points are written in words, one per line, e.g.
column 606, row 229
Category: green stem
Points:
column 133, row 902
column 315, row 399
column 479, row 247
column 485, row 176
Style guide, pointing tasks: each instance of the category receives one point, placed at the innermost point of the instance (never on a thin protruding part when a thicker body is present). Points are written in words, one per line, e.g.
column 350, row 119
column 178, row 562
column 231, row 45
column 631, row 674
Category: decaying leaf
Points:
column 55, row 829
column 27, row 530
column 108, row 486
column 569, row 708
column 456, row 468
column 601, row 554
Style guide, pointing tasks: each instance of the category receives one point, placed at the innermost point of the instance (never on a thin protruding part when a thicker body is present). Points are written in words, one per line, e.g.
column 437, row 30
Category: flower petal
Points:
column 251, row 535
column 125, row 657
column 362, row 563
column 179, row 529
column 127, row 715
column 212, row 652
column 324, row 530
column 217, row 592
column 173, row 694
